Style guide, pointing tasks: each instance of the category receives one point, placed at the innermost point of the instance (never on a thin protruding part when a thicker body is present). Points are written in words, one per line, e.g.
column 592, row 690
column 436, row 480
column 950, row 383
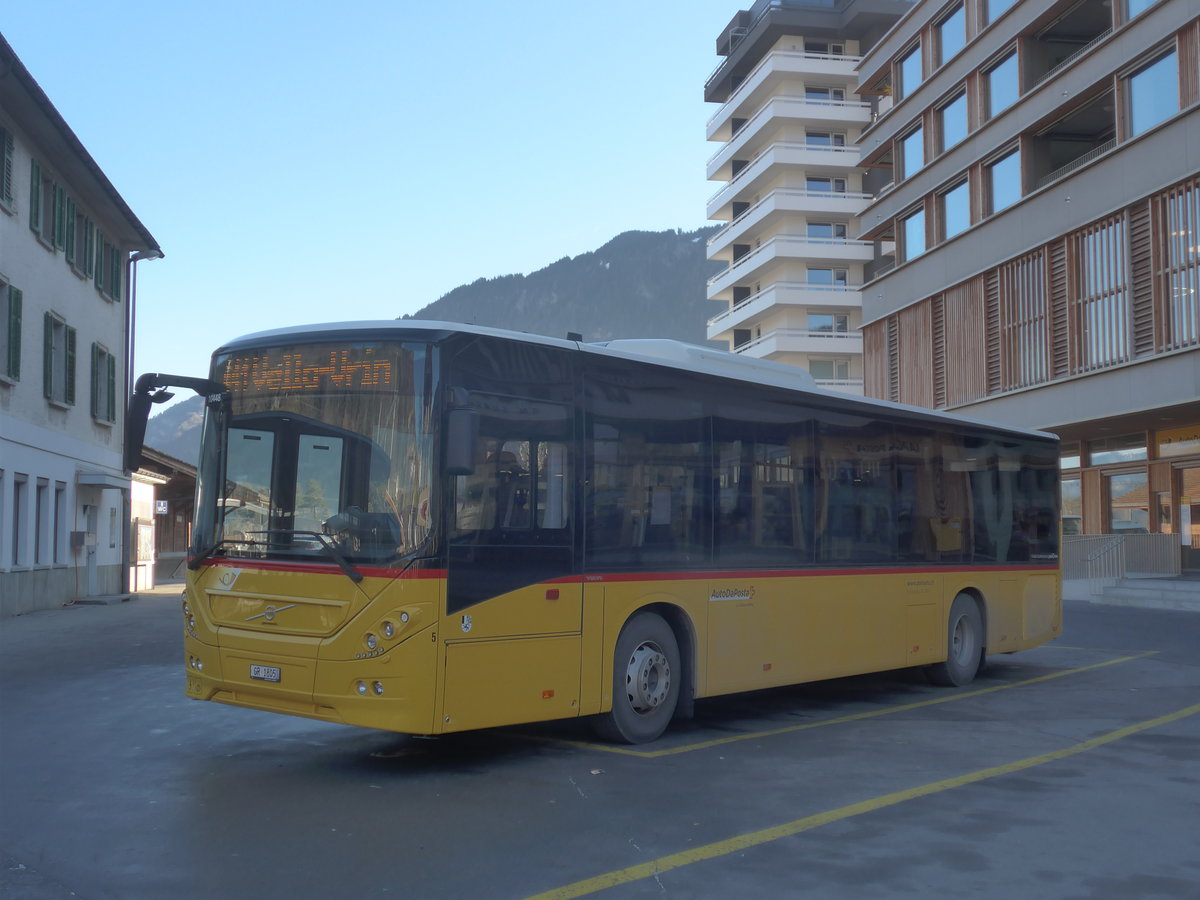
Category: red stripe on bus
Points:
column 321, row 569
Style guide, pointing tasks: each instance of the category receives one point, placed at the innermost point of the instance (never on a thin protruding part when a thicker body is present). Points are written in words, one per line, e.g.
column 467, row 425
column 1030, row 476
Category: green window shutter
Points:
column 14, row 333
column 70, row 230
column 112, row 388
column 60, row 217
column 35, row 196
column 89, row 247
column 101, row 252
column 96, row 380
column 69, row 387
column 114, row 273
column 48, row 355
column 6, row 167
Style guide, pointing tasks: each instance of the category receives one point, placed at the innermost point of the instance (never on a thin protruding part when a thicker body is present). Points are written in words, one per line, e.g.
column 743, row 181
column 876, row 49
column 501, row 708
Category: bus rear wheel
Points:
column 646, row 677
column 964, row 645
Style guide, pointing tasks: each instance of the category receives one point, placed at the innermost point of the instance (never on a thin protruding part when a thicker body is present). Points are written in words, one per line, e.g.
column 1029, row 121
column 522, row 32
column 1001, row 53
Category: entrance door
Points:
column 1188, row 482
column 92, row 521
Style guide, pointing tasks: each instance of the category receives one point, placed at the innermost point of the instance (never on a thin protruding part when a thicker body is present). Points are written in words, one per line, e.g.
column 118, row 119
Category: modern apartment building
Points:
column 792, row 185
column 1044, row 220
column 68, row 243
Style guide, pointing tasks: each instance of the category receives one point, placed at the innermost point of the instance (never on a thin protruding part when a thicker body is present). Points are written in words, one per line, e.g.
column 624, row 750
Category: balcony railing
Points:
column 776, row 242
column 833, row 290
column 759, row 11
column 1077, row 162
column 737, row 95
column 775, row 195
column 1074, row 56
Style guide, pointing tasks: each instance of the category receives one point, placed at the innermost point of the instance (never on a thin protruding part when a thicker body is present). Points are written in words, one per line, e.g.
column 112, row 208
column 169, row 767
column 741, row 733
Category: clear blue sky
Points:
column 303, row 161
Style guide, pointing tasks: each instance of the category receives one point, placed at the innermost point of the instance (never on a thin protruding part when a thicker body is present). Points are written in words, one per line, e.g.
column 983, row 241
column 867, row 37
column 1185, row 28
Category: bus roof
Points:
column 660, row 351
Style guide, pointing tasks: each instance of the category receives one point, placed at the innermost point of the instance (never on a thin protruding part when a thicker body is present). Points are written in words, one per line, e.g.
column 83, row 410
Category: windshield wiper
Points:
column 325, row 544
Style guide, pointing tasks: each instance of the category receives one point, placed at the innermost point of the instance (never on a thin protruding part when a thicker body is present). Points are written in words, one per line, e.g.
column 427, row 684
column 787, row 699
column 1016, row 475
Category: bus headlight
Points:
column 371, row 641
column 361, row 687
column 377, row 687
column 389, row 630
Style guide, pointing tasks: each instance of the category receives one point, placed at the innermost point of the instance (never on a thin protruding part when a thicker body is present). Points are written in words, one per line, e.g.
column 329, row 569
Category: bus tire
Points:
column 646, row 678
column 964, row 645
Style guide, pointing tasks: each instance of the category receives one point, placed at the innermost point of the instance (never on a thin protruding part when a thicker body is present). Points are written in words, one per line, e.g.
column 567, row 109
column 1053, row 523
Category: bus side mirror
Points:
column 462, row 433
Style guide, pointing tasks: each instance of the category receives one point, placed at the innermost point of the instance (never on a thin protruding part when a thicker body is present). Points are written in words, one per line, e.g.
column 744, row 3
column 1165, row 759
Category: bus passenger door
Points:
column 514, row 604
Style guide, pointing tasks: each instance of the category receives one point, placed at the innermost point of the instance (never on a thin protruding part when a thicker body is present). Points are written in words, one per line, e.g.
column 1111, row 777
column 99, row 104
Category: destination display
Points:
column 319, row 367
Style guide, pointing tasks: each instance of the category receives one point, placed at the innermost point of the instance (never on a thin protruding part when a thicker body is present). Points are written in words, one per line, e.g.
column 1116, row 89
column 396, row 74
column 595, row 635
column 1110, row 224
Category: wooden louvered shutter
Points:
column 96, row 380
column 991, row 329
column 937, row 327
column 893, row 358
column 1060, row 331
column 1141, row 278
column 111, row 412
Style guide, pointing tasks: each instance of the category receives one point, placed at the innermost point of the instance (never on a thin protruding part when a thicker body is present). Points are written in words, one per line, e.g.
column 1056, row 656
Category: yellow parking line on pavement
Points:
column 840, row 720
column 756, row 838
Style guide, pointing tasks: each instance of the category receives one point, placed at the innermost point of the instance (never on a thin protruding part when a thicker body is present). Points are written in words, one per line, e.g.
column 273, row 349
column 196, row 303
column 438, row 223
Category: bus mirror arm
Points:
column 151, row 388
column 462, row 434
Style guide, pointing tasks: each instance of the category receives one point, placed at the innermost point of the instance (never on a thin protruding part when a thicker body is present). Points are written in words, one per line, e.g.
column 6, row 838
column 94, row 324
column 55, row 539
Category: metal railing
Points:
column 1104, row 559
column 795, row 242
column 1074, row 56
column 1076, row 163
column 784, row 286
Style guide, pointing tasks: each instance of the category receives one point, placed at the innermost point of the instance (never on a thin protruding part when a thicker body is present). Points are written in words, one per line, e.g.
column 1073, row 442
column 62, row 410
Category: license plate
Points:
column 264, row 673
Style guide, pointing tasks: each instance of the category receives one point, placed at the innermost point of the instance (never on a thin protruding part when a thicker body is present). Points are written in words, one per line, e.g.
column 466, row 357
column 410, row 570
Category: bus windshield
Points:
column 318, row 451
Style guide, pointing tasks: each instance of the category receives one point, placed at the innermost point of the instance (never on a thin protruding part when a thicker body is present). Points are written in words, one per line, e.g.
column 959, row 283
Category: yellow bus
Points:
column 427, row 527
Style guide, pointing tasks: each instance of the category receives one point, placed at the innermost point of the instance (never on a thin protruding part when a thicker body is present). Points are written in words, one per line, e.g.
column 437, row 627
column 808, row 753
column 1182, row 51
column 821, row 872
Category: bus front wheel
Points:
column 646, row 677
column 964, row 645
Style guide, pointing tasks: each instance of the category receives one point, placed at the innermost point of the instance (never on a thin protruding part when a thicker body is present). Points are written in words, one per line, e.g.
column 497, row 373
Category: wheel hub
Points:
column 648, row 678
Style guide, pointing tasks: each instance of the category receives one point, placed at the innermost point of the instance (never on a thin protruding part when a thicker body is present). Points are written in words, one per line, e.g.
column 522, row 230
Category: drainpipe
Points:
column 128, row 560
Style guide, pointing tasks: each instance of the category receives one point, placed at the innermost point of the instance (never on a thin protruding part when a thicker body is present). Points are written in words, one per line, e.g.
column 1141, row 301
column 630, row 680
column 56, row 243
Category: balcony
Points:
column 772, row 72
column 780, row 205
column 827, row 113
column 719, row 165
column 784, row 294
column 760, row 173
column 798, row 340
column 788, row 248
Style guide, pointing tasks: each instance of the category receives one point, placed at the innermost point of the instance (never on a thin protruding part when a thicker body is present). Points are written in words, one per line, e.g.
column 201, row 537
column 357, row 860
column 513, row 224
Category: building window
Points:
column 1122, row 449
column 1182, row 261
column 60, row 522
column 20, row 515
column 909, row 73
column 828, row 277
column 912, row 153
column 912, row 232
column 829, row 369
column 826, row 185
column 10, row 337
column 828, row 323
column 1023, row 321
column 6, row 169
column 1004, row 181
column 1129, row 503
column 827, row 230
column 825, row 139
column 58, row 361
column 952, row 122
column 1072, row 506
column 104, row 384
column 994, row 9
column 1153, row 94
column 955, row 210
column 107, row 268
column 84, row 257
column 824, row 95
column 1070, row 455
column 951, row 34
column 1104, row 310
column 1003, row 86
column 1137, row 7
